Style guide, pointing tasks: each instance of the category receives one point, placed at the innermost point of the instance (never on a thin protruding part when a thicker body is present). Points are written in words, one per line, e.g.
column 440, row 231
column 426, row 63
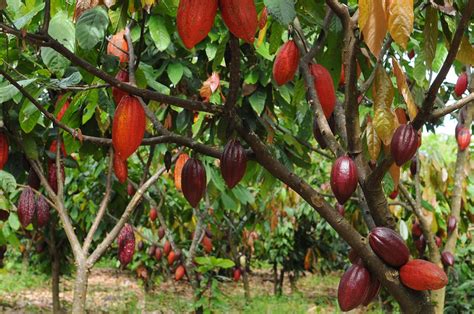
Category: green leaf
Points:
column 275, row 37
column 257, row 101
column 9, row 91
column 7, row 182
column 175, row 72
column 220, row 53
column 26, row 18
column 14, row 222
column 430, row 34
column 73, row 79
column 282, row 10
column 29, row 144
column 159, row 33
column 29, row 114
column 91, row 27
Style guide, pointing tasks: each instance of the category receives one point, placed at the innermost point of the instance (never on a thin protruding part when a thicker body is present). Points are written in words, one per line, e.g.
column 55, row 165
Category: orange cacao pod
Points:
column 404, row 144
column 193, row 181
column 353, row 288
column 207, row 244
column 3, row 150
column 126, row 244
column 118, row 46
column 420, row 275
column 26, row 206
column 240, row 16
column 233, row 163
column 463, row 138
column 324, row 86
column 389, row 246
column 167, row 248
column 343, row 178
column 128, row 127
column 117, row 93
column 178, row 170
column 195, row 19
column 286, row 63
column 120, row 169
column 171, row 258
column 179, row 273
column 461, row 84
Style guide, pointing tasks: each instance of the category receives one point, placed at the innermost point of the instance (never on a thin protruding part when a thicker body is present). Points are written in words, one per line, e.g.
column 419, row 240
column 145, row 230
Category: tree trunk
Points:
column 275, row 278
column 55, row 271
column 80, row 290
column 280, row 282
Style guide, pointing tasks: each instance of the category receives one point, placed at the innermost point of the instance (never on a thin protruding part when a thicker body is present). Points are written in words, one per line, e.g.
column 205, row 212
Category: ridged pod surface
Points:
column 353, row 288
column 120, row 169
column 233, row 163
column 240, row 17
column 463, row 138
column 447, row 258
column 286, row 63
column 404, row 144
column 128, row 127
column 118, row 46
column 461, row 84
column 374, row 289
column 26, row 207
column 324, row 86
column 117, row 93
column 422, row 275
column 389, row 246
column 193, row 181
column 3, row 150
column 126, row 244
column 343, row 178
column 52, row 175
column 42, row 212
column 195, row 19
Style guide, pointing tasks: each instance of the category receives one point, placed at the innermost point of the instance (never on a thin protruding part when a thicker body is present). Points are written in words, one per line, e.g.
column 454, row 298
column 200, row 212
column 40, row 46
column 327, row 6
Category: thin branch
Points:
column 448, row 109
column 366, row 85
column 234, row 74
column 148, row 164
column 47, row 16
column 319, row 43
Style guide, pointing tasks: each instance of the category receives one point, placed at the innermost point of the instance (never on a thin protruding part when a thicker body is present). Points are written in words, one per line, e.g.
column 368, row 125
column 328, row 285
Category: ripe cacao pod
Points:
column 420, row 245
column 438, row 241
column 404, row 144
column 161, row 232
column 459, row 126
column 452, row 223
column 118, row 46
column 240, row 17
column 171, row 258
column 153, row 214
column 42, row 212
column 340, row 209
column 63, row 109
column 447, row 258
column 324, row 86
column 207, row 244
column 413, row 166
column 389, row 246
column 195, row 19
column 33, row 180
column 416, row 230
column 179, row 273
column 120, row 169
column 354, row 258
column 128, row 127
column 54, row 147
column 52, row 175
column 286, row 63
column 167, row 248
column 343, row 178
column 353, row 287
column 178, row 170
column 3, row 150
column 126, row 244
column 193, row 181
column 420, row 275
column 262, row 20
column 158, row 253
column 394, row 194
column 463, row 138
column 117, row 93
column 233, row 163
column 26, row 206
column 130, row 189
column 461, row 84
column 237, row 274
column 374, row 289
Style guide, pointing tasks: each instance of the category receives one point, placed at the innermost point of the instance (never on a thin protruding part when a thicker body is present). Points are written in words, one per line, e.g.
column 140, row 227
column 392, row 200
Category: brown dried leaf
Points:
column 404, row 89
column 83, row 5
column 375, row 28
column 374, row 143
column 365, row 7
column 466, row 52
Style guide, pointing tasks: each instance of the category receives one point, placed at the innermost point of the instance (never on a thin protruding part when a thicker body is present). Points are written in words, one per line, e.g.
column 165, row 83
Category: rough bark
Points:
column 80, row 289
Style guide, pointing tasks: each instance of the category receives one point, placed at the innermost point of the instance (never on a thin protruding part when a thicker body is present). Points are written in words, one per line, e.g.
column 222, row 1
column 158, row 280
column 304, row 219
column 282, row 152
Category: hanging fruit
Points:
column 194, row 181
column 404, row 144
column 195, row 19
column 118, row 46
column 117, row 93
column 120, row 169
column 461, row 84
column 233, row 163
column 423, row 275
column 240, row 16
column 324, row 86
column 286, row 63
column 3, row 150
column 343, row 179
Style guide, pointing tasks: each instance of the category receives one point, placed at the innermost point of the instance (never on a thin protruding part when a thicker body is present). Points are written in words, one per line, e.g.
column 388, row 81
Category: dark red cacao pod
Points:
column 151, row 250
column 343, row 178
column 237, row 274
column 353, row 287
column 416, row 230
column 324, row 86
column 394, row 194
column 374, row 289
column 195, row 19
column 340, row 209
column 447, row 258
column 126, row 244
column 4, row 215
column 179, row 273
column 411, row 54
column 168, row 160
column 286, row 63
column 420, row 245
column 463, row 138
column 128, row 127
column 194, row 181
column 130, row 189
column 26, row 206
column 240, row 16
column 42, row 212
column 452, row 223
column 3, row 150
column 153, row 214
column 167, row 248
column 354, row 258
column 389, row 246
column 117, row 93
column 158, row 254
column 120, row 169
column 461, row 84
column 404, row 144
column 161, row 232
column 52, row 175
column 459, row 126
column 233, row 163
column 413, row 166
column 118, row 46
column 33, row 180
column 421, row 275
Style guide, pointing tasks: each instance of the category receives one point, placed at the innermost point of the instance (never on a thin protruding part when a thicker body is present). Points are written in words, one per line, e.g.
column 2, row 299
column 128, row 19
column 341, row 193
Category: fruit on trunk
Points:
column 404, row 144
column 167, row 248
column 153, row 214
column 262, row 20
column 447, row 258
column 416, row 230
column 413, row 166
column 233, row 163
column 389, row 246
column 324, row 86
column 118, row 46
column 463, row 138
column 63, row 109
column 461, row 84
column 438, row 241
column 120, row 169
column 130, row 189
column 420, row 275
column 237, row 274
column 340, row 209
column 193, row 181
column 179, row 273
column 240, row 17
column 128, row 127
column 343, row 178
column 117, row 93
column 394, row 194
column 26, row 206
column 195, row 19
column 178, row 170
column 54, row 147
column 452, row 223
column 171, row 258
column 420, row 245
column 168, row 160
column 158, row 253
column 42, row 211
column 353, row 287
column 374, row 289
column 33, row 180
column 207, row 244
column 286, row 63
column 354, row 258
column 52, row 175
column 126, row 244
column 151, row 250
column 161, row 232
column 3, row 150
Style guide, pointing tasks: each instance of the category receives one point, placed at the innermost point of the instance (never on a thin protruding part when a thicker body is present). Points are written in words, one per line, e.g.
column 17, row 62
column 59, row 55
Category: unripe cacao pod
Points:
column 42, row 211
column 354, row 258
column 178, row 170
column 413, row 166
column 237, row 274
column 118, row 46
column 153, row 214
column 126, row 244
column 167, row 248
column 208, row 233
column 463, row 138
column 233, row 163
column 26, row 206
column 117, row 93
column 416, row 230
column 343, row 178
column 3, row 150
column 128, row 127
column 389, row 246
column 161, row 232
column 33, row 180
column 179, row 273
column 420, row 245
column 151, row 250
column 120, row 169
column 420, row 275
column 353, row 287
column 4, row 215
column 374, row 289
column 158, row 253
column 324, row 86
column 452, row 223
column 286, row 63
column 447, row 258
column 140, row 245
column 194, row 181
column 461, row 84
column 171, row 258
column 130, row 189
column 195, row 19
column 404, row 144
column 52, row 175
column 240, row 16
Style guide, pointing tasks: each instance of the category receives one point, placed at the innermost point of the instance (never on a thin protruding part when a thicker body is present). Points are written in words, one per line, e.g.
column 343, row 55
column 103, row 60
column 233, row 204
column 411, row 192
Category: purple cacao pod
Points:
column 374, row 289
column 420, row 245
column 413, row 166
column 193, row 180
column 4, row 215
column 42, row 211
column 452, row 223
column 26, row 207
column 404, row 144
column 389, row 246
column 416, row 230
column 343, row 178
column 353, row 287
column 161, row 232
column 126, row 244
column 438, row 241
column 233, row 163
column 33, row 180
column 53, row 178
column 447, row 258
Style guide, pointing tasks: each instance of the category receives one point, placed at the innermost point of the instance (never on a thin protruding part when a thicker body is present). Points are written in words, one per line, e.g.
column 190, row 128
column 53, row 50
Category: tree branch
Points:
column 449, row 109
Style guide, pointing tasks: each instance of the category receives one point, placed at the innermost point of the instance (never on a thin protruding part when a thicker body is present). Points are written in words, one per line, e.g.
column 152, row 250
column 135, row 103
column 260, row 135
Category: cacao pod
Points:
column 207, row 244
column 411, row 54
column 340, row 209
column 394, row 194
column 26, row 206
column 262, row 20
column 4, row 215
column 240, row 17
column 168, row 161
column 63, row 109
column 42, row 211
column 353, row 287
column 208, row 233
column 438, row 241
column 354, row 258
column 126, row 244
column 416, row 230
column 193, row 181
column 447, row 258
column 374, row 289
column 130, row 189
column 286, row 63
column 118, row 46
column 140, row 245
column 463, row 138
column 420, row 245
column 343, row 178
column 404, row 144
column 389, row 246
column 120, row 169
column 461, row 84
column 33, row 180
column 158, row 253
column 324, row 86
column 128, row 127
column 237, row 274
column 52, row 175
column 195, row 19
column 413, row 166
column 3, row 150
column 151, row 250
column 54, row 146
column 153, row 214
column 179, row 273
column 161, row 232
column 452, row 223
column 178, row 170
column 167, row 248
column 420, row 275
column 171, row 258
column 117, row 93
column 233, row 163
column 459, row 126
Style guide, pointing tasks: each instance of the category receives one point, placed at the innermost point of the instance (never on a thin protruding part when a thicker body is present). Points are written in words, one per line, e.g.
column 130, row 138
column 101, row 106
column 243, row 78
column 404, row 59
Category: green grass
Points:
column 15, row 281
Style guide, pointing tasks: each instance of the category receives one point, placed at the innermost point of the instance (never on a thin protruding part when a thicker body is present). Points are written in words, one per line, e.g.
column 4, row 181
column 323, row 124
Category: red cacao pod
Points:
column 240, row 16
column 413, row 166
column 26, row 206
column 452, row 223
column 461, row 84
column 207, row 244
column 153, row 214
column 447, row 258
column 420, row 275
column 128, row 127
column 126, row 244
column 171, row 258
column 54, row 147
column 237, row 274
column 286, row 63
column 179, row 273
column 354, row 258
column 374, row 289
column 42, row 212
column 463, row 138
column 130, row 189
column 161, row 232
column 438, row 241
column 404, row 144
column 63, row 109
column 158, row 253
column 394, row 194
column 194, row 181
column 3, row 150
column 411, row 54
column 117, row 93
column 262, row 20
column 167, row 248
column 151, row 250
column 389, row 246
column 120, row 169
column 233, row 163
column 195, row 19
column 416, row 230
column 343, row 178
column 52, row 175
column 459, row 126
column 33, row 180
column 353, row 287
column 324, row 86
column 118, row 46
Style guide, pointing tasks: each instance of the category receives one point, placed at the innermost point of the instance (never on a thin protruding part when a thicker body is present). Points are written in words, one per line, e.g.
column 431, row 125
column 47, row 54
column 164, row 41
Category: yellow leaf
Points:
column 384, row 124
column 404, row 89
column 147, row 4
column 430, row 34
column 261, row 35
column 383, row 89
column 400, row 21
column 365, row 7
column 375, row 28
column 466, row 52
column 395, row 174
column 373, row 141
